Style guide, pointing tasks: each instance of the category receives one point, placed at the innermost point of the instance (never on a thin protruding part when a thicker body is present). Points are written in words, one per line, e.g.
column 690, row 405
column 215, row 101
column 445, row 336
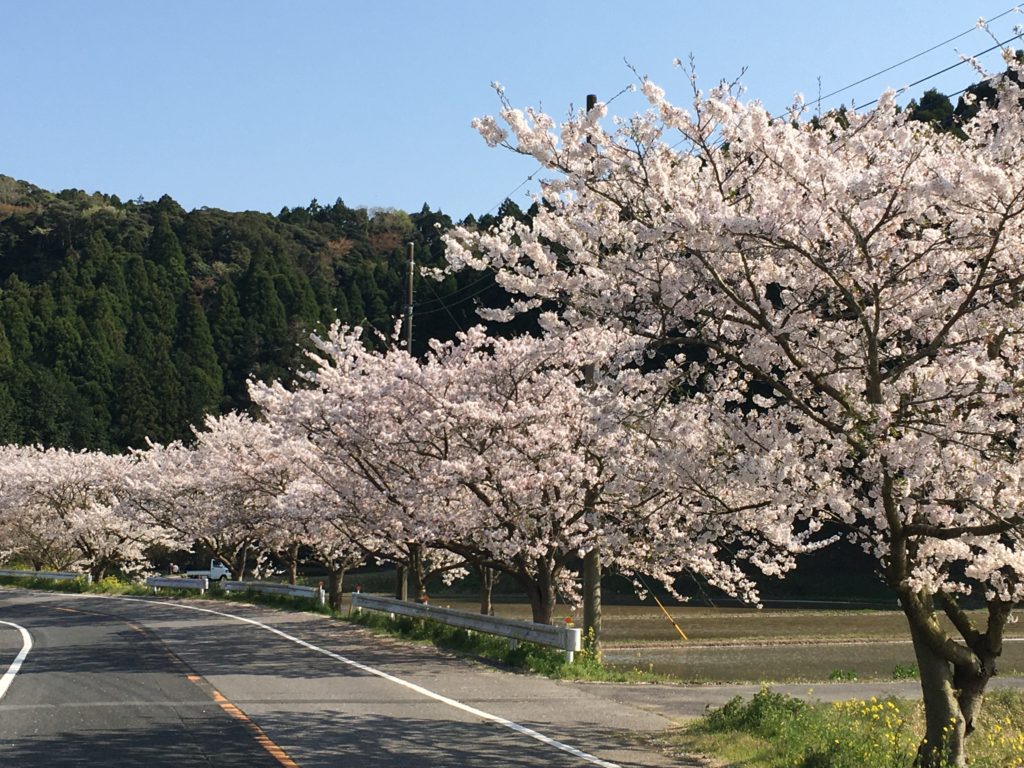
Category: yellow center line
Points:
column 258, row 733
column 261, row 738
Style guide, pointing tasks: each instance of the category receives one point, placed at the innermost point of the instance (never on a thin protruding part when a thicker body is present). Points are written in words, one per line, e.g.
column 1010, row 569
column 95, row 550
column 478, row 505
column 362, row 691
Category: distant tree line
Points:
column 127, row 321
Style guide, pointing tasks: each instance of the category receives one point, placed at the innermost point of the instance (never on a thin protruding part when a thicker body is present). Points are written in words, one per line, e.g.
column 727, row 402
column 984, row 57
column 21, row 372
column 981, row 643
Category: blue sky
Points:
column 249, row 104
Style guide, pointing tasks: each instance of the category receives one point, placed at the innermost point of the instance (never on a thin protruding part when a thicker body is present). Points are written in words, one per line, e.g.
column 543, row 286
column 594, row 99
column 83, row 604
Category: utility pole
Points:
column 592, row 560
column 408, row 307
column 401, row 574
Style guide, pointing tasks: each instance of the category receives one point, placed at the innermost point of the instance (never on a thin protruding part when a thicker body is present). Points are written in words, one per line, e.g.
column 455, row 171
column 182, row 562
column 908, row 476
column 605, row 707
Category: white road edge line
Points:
column 26, row 646
column 521, row 729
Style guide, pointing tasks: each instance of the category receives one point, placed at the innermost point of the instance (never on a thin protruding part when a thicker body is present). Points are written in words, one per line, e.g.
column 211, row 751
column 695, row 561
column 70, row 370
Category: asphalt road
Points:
column 155, row 683
column 151, row 683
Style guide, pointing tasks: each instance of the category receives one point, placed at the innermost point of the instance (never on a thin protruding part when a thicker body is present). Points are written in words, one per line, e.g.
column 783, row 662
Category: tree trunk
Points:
column 401, row 582
column 334, row 582
column 243, row 562
column 970, row 693
column 98, row 572
column 293, row 564
column 541, row 591
column 945, row 727
column 418, row 587
column 592, row 602
column 487, row 578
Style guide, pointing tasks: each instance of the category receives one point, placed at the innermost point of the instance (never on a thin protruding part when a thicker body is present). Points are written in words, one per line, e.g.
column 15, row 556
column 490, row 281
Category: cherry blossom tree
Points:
column 247, row 469
column 515, row 455
column 537, row 457
column 65, row 509
column 843, row 297
column 198, row 496
column 332, row 533
column 504, row 453
column 349, row 416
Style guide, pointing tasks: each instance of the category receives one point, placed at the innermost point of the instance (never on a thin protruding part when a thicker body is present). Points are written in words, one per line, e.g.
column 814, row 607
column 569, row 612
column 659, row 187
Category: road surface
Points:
column 91, row 680
column 156, row 683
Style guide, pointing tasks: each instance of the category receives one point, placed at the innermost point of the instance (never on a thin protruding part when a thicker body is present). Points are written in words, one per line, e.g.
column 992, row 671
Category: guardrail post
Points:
column 321, row 596
column 573, row 643
column 206, row 586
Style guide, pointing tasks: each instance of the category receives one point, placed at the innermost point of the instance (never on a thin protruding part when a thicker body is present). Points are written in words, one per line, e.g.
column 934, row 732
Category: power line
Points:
column 487, row 278
column 1012, row 9
column 522, row 184
column 820, row 99
column 906, row 88
column 446, row 306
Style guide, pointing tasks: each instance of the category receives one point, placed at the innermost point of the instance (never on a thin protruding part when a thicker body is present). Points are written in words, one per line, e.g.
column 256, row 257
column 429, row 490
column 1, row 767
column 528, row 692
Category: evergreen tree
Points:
column 934, row 108
column 227, row 329
column 136, row 414
column 267, row 342
column 197, row 364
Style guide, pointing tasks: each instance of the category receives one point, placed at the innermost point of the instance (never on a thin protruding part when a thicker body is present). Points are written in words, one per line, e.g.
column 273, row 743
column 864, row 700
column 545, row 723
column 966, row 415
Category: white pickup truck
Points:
column 216, row 572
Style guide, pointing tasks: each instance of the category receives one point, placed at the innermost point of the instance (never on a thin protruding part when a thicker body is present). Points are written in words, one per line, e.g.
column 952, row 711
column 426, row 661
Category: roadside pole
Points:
column 592, row 559
column 401, row 573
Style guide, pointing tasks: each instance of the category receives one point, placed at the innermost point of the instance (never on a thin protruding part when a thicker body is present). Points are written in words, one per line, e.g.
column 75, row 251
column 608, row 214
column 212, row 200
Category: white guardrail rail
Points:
column 565, row 638
column 178, row 582
column 273, row 588
column 52, row 575
column 269, row 587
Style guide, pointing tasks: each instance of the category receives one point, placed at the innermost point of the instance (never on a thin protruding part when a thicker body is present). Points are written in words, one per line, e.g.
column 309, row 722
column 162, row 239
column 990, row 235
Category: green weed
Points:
column 905, row 672
column 528, row 656
column 842, row 674
column 772, row 731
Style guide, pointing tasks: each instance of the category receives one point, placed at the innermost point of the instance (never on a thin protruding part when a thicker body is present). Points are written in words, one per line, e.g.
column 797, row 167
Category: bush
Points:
column 766, row 714
column 772, row 730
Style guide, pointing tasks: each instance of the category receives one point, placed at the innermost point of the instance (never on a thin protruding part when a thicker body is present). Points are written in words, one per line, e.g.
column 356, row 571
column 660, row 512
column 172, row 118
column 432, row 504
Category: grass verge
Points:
column 108, row 586
column 528, row 656
column 772, row 730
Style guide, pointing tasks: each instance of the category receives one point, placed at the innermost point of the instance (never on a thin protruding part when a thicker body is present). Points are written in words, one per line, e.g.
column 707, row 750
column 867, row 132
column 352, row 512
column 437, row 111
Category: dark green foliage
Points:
column 196, row 361
column 935, row 109
column 126, row 321
column 985, row 92
column 136, row 415
column 764, row 714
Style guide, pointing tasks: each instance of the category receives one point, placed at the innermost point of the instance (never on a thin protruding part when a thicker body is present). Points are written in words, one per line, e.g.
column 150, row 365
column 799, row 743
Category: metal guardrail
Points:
column 564, row 638
column 52, row 575
column 175, row 582
column 274, row 588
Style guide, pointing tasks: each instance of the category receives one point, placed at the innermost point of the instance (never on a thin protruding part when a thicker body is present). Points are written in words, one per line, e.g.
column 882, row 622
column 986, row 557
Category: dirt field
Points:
column 750, row 645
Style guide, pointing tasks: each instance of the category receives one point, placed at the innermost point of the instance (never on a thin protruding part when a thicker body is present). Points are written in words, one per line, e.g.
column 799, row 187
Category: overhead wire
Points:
column 468, row 286
column 907, row 87
column 445, row 305
column 1015, row 8
column 519, row 186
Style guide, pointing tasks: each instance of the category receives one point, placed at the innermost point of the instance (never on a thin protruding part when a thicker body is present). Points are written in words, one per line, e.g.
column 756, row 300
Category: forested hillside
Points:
column 126, row 320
